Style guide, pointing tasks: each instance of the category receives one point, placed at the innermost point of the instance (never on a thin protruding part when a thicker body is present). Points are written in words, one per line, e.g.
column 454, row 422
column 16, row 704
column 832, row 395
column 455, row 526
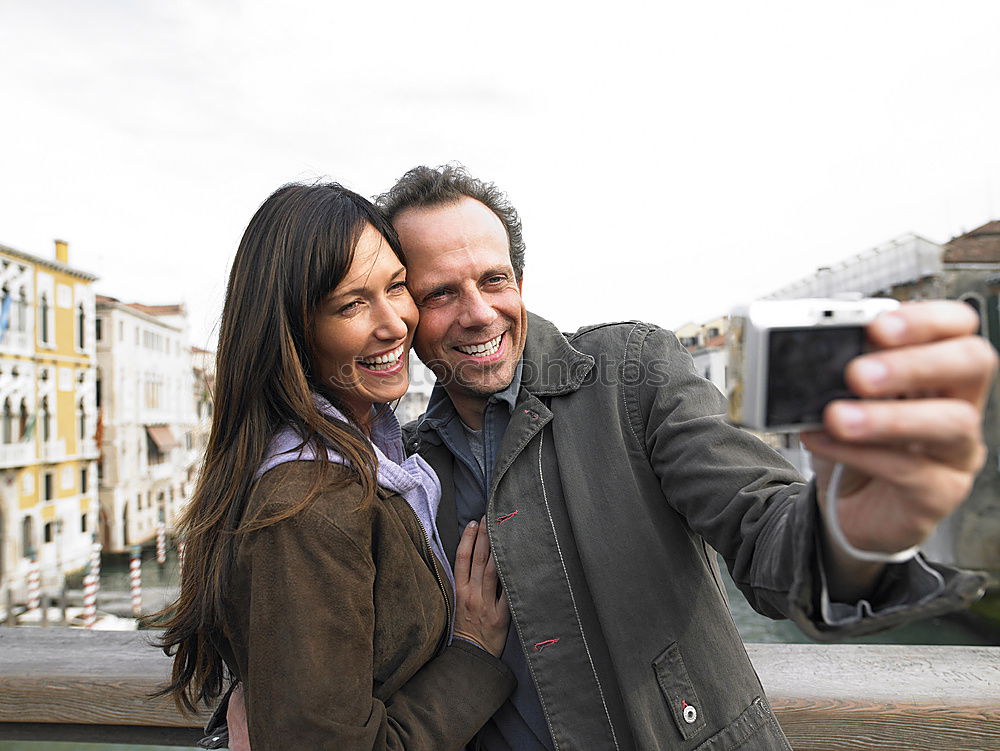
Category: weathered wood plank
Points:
column 827, row 697
column 883, row 697
column 123, row 734
column 71, row 676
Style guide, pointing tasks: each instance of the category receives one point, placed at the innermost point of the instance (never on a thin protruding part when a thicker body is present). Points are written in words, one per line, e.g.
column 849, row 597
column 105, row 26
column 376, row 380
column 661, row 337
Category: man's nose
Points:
column 476, row 312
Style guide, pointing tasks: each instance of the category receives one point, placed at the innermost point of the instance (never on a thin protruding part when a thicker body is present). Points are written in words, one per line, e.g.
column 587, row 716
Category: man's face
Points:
column 472, row 320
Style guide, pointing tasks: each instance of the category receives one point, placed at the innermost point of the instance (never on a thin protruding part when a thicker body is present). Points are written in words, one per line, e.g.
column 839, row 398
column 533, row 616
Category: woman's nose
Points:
column 391, row 325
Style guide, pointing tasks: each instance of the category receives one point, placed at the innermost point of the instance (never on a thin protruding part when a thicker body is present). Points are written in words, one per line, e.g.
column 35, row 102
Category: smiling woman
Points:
column 314, row 579
column 364, row 327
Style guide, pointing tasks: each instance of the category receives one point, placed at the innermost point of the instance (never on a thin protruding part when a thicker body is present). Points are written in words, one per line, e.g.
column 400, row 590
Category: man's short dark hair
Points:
column 426, row 187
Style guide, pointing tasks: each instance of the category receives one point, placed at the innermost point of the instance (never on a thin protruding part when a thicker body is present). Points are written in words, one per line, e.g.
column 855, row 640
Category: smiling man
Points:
column 472, row 321
column 602, row 495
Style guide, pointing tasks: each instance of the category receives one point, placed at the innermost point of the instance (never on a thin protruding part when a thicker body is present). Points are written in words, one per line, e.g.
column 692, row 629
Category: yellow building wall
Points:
column 65, row 341
column 61, row 353
column 66, row 411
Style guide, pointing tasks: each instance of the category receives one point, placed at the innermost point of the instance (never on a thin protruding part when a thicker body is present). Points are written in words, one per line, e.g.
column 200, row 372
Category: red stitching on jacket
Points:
column 505, row 517
column 543, row 644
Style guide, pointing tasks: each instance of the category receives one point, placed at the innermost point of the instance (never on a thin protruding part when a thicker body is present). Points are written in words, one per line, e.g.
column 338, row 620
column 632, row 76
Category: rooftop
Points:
column 981, row 245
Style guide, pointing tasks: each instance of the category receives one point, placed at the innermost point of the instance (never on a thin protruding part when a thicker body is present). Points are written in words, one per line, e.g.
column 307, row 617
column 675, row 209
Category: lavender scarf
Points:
column 409, row 476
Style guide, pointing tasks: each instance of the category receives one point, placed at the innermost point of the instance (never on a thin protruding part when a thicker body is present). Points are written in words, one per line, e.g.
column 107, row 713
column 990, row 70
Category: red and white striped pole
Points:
column 34, row 582
column 95, row 558
column 135, row 579
column 180, row 556
column 91, row 584
column 89, row 600
column 161, row 543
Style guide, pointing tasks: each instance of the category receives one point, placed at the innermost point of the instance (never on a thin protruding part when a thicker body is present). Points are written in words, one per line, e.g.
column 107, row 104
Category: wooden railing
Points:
column 67, row 684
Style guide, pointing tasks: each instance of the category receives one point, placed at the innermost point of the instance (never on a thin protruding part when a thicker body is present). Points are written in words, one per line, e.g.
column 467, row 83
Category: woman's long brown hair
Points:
column 296, row 249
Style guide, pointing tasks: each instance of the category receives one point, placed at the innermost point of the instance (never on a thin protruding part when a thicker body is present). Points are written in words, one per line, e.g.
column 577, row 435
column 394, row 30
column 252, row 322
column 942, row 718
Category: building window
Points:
column 97, row 389
column 47, row 486
column 22, row 422
column 83, row 522
column 975, row 302
column 28, row 536
column 43, row 323
column 8, row 422
column 98, row 329
column 152, row 388
column 46, row 420
column 81, row 327
column 22, row 310
column 48, row 531
column 82, row 417
column 5, row 312
column 83, row 480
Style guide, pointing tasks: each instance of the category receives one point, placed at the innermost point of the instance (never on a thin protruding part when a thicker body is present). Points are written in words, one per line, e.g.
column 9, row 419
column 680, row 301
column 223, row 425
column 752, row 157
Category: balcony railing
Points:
column 18, row 341
column 163, row 471
column 88, row 448
column 54, row 451
column 17, row 454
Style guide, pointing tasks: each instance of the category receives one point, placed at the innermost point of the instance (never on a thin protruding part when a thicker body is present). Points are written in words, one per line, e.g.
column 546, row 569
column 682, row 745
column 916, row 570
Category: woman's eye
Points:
column 350, row 308
column 398, row 287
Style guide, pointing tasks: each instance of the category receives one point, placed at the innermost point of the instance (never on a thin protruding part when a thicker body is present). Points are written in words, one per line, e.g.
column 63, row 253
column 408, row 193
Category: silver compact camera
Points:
column 787, row 358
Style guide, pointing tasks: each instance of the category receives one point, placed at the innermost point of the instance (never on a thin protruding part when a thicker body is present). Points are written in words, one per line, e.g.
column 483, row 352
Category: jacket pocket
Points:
column 678, row 692
column 756, row 729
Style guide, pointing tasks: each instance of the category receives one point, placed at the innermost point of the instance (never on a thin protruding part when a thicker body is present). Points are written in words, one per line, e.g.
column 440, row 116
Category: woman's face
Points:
column 363, row 328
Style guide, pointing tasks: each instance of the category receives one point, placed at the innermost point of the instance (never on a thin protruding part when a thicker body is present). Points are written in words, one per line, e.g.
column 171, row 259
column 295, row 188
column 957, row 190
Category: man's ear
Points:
column 520, row 284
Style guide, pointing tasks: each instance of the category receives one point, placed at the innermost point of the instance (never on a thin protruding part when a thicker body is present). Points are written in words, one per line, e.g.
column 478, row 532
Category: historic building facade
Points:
column 149, row 422
column 48, row 419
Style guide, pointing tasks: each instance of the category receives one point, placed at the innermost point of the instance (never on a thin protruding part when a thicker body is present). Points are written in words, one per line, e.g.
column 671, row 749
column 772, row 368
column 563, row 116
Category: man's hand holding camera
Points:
column 912, row 445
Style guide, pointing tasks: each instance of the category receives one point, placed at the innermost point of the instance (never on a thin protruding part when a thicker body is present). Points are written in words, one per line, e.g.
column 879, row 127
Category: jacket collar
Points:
column 550, row 366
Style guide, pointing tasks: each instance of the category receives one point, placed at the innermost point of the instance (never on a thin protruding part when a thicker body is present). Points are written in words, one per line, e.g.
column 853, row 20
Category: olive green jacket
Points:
column 615, row 475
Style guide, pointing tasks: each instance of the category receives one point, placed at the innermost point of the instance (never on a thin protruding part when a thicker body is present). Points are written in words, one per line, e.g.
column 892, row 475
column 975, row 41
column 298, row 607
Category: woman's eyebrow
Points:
column 361, row 290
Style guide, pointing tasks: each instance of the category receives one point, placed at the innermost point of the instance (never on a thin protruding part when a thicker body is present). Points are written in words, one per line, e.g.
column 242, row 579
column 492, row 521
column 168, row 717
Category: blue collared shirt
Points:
column 520, row 723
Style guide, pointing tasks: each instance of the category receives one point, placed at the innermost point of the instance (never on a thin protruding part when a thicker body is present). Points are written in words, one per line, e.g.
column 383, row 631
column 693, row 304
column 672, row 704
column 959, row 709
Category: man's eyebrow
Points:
column 357, row 291
column 498, row 271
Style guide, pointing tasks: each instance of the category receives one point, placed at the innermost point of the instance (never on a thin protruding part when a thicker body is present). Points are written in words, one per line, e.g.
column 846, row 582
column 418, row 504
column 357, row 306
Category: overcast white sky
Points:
column 668, row 159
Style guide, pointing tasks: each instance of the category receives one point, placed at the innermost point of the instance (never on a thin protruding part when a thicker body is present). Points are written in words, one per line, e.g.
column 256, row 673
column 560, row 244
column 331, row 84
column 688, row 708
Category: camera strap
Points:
column 833, row 525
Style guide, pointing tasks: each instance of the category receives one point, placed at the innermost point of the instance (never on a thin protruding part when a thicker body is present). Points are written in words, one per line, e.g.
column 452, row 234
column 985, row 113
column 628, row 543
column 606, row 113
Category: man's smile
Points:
column 484, row 351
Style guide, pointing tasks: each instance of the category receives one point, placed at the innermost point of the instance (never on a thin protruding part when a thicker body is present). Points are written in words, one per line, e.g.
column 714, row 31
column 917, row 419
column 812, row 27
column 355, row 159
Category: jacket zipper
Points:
column 431, row 560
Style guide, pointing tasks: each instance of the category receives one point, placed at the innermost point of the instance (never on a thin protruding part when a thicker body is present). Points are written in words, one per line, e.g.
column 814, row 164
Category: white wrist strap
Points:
column 833, row 526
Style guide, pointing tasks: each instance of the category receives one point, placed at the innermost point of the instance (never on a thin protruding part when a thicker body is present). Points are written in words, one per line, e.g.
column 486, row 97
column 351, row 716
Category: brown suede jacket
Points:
column 337, row 622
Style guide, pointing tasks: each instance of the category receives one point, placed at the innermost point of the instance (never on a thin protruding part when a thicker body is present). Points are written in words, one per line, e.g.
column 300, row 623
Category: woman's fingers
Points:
column 463, row 556
column 490, row 579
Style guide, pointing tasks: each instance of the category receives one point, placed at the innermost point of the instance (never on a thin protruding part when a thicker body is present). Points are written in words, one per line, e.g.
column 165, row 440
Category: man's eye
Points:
column 437, row 297
column 498, row 279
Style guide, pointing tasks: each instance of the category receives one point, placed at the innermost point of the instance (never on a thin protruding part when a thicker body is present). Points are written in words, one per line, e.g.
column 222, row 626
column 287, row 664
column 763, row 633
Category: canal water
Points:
column 752, row 626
